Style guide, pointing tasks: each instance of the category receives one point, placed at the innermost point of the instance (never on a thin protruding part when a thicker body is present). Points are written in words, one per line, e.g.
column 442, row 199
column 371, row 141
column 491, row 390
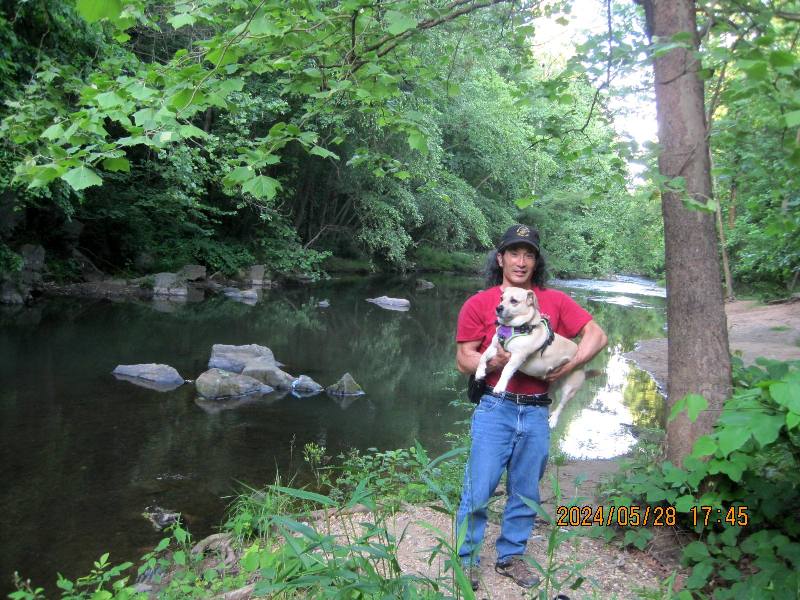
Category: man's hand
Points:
column 499, row 361
column 593, row 339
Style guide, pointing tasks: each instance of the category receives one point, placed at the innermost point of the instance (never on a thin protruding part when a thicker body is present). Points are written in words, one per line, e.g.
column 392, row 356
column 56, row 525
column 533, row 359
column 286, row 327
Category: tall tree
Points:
column 699, row 358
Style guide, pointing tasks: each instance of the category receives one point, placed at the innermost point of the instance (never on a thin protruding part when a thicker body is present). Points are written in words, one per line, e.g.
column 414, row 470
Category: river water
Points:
column 83, row 454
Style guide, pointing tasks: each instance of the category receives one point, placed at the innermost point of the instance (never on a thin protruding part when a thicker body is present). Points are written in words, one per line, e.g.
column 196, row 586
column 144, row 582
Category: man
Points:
column 511, row 433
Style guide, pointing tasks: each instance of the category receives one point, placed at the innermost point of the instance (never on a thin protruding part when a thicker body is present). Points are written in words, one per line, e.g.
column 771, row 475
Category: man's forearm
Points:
column 593, row 340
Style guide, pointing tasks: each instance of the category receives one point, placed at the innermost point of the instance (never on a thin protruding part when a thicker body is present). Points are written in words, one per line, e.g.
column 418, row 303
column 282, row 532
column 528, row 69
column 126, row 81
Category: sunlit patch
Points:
column 602, row 429
column 626, row 301
column 635, row 286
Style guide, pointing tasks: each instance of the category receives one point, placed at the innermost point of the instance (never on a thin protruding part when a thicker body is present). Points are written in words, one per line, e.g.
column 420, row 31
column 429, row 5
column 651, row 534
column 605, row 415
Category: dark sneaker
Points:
column 518, row 570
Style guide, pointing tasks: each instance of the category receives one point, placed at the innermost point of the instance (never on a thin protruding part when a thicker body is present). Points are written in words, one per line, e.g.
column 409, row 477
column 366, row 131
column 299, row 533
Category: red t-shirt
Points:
column 478, row 321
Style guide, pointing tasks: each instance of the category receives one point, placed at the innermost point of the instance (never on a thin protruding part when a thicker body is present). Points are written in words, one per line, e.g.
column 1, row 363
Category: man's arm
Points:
column 467, row 358
column 593, row 339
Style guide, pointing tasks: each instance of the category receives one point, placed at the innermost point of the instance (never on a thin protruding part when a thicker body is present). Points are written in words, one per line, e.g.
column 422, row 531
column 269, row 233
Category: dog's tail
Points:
column 594, row 373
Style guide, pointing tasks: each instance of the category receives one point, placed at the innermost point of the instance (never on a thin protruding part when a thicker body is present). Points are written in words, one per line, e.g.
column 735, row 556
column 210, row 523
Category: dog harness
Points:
column 506, row 333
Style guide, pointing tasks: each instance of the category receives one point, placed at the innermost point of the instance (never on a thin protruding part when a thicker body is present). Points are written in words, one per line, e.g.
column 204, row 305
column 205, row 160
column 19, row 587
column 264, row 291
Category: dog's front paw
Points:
column 480, row 374
column 500, row 388
column 552, row 421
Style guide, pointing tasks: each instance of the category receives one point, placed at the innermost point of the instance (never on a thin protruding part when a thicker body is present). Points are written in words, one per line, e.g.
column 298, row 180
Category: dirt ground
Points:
column 755, row 330
column 769, row 330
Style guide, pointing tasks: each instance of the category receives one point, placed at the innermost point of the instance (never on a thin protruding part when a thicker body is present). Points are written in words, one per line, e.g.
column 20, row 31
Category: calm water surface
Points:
column 83, row 454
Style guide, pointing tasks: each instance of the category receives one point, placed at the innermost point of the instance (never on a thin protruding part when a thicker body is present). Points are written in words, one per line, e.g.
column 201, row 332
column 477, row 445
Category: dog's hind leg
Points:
column 568, row 388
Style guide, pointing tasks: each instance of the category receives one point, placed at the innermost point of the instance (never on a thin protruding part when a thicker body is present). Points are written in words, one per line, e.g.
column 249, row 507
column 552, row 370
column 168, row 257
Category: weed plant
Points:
column 736, row 496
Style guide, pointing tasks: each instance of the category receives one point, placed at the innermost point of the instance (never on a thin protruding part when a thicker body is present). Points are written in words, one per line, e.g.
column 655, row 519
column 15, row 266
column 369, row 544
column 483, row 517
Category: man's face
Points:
column 517, row 263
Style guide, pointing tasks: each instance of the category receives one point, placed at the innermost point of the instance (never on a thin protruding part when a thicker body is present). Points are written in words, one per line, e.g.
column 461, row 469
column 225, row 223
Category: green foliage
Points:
column 431, row 259
column 287, row 554
column 738, row 489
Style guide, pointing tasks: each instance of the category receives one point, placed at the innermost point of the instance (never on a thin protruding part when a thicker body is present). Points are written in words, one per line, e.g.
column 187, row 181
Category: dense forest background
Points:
column 160, row 136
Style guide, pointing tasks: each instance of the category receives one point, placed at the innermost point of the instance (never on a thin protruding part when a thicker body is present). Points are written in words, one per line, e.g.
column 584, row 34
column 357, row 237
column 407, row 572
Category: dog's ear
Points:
column 532, row 300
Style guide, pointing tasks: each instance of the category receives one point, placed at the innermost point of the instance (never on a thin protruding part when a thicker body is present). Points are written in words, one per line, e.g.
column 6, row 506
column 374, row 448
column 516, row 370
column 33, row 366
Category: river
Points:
column 83, row 454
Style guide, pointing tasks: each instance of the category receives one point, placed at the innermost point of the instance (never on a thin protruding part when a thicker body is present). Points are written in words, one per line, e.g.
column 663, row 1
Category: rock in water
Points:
column 391, row 303
column 346, row 386
column 268, row 372
column 168, row 284
column 424, row 284
column 216, row 384
column 306, row 386
column 150, row 375
column 235, row 358
column 160, row 517
column 192, row 273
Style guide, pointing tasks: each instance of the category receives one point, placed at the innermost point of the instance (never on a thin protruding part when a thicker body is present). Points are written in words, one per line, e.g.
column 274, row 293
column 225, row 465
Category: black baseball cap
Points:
column 519, row 234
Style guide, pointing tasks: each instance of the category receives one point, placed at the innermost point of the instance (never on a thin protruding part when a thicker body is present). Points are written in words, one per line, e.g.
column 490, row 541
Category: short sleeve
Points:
column 470, row 326
column 573, row 317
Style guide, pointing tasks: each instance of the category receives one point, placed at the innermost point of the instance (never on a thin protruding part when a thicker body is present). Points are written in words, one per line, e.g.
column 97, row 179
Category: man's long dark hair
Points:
column 494, row 274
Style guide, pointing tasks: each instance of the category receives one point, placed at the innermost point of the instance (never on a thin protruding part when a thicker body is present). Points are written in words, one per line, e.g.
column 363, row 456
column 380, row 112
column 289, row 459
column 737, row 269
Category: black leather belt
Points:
column 524, row 399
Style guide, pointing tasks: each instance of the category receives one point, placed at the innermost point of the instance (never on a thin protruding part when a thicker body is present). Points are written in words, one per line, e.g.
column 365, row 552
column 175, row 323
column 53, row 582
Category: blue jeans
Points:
column 505, row 436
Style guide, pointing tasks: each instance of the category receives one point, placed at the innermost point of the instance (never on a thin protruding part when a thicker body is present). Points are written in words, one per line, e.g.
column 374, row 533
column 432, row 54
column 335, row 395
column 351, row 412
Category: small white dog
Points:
column 535, row 349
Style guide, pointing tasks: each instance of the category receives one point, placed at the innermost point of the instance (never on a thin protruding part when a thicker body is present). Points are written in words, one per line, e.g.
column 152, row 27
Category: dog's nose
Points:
column 499, row 309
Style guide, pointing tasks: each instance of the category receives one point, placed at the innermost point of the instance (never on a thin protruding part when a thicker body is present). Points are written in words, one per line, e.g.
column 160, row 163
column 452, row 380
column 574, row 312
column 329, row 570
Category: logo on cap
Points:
column 523, row 231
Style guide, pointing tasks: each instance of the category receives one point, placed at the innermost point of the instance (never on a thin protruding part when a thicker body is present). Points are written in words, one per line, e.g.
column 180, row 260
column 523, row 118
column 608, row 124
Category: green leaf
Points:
column 109, row 99
column 191, row 131
column 766, row 427
column 94, row 10
column 146, row 118
column 696, row 551
column 792, row 118
column 179, row 557
column 782, row 58
column 140, row 91
column 323, row 152
column 262, row 187
column 732, row 438
column 703, row 446
column 700, row 574
column 53, row 132
column 398, row 22
column 692, row 403
column 757, row 70
column 695, row 404
column 792, row 420
column 181, row 20
column 117, row 164
column 684, row 503
column 263, row 25
column 417, row 141
column 81, row 177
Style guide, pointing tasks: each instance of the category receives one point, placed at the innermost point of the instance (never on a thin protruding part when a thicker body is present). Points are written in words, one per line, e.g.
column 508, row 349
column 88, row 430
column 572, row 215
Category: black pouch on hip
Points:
column 475, row 389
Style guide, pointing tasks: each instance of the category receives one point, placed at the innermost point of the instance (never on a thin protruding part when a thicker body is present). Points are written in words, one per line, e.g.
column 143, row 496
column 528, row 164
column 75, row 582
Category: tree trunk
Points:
column 698, row 354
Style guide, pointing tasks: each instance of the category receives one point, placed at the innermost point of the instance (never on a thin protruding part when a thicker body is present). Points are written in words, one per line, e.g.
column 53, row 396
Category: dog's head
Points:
column 517, row 306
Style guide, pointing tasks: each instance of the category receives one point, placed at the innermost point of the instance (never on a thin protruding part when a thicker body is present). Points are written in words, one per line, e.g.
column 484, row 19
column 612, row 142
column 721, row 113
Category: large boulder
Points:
column 255, row 275
column 32, row 263
column 306, row 386
column 150, row 375
column 388, row 303
column 346, row 386
column 13, row 293
column 192, row 273
column 267, row 371
column 236, row 358
column 274, row 376
column 168, row 284
column 216, row 384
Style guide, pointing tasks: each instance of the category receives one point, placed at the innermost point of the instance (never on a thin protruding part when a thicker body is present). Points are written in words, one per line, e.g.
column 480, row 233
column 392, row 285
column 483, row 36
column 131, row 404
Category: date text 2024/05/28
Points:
column 644, row 516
